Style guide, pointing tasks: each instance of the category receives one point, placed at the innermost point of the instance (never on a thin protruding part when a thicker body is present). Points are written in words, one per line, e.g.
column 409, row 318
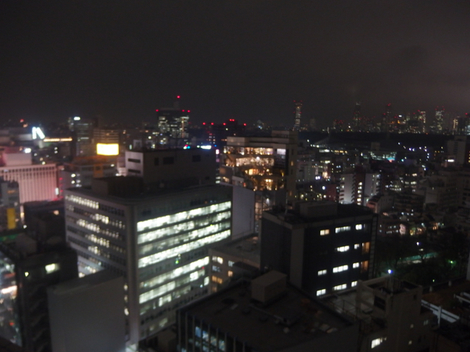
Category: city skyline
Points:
column 244, row 60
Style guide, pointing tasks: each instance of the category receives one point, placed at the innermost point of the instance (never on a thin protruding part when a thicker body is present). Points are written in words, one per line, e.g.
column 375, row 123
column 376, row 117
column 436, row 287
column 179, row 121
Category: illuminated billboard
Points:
column 107, row 149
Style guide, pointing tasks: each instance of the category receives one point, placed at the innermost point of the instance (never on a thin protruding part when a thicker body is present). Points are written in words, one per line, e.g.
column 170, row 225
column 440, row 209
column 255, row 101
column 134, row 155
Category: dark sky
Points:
column 244, row 59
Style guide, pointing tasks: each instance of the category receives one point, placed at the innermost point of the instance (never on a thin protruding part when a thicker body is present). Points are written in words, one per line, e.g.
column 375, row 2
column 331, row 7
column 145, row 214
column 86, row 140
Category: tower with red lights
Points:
column 173, row 124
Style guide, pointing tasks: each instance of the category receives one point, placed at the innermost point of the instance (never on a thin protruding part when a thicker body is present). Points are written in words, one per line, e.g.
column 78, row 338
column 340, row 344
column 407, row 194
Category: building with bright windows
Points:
column 323, row 247
column 157, row 241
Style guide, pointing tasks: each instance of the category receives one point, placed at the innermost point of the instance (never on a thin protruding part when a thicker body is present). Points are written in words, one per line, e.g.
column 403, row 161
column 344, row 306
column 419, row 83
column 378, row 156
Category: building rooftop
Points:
column 138, row 193
column 320, row 211
column 291, row 318
column 246, row 247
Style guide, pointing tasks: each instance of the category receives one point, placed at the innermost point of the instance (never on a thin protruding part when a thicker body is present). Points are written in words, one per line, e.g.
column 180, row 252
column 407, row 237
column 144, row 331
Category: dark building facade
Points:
column 322, row 246
column 25, row 277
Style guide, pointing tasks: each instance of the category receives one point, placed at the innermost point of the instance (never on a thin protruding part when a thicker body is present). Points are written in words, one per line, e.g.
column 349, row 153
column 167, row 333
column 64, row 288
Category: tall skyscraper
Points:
column 357, row 117
column 297, row 115
column 173, row 124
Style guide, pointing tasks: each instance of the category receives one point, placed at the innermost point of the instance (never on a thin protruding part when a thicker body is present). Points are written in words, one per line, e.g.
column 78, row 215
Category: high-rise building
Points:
column 157, row 241
column 173, row 124
column 26, row 275
column 358, row 187
column 82, row 170
column 357, row 118
column 297, row 115
column 82, row 129
column 323, row 247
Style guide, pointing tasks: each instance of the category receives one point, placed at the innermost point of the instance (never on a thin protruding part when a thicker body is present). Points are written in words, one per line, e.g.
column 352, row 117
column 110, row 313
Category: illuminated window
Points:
column 230, row 273
column 339, row 269
column 52, row 267
column 359, row 227
column 324, row 232
column 342, row 249
column 365, row 247
column 355, row 265
column 217, row 280
column 230, row 263
column 378, row 341
column 322, row 272
column 342, row 229
column 353, row 283
column 357, row 246
column 321, row 292
column 339, row 287
column 219, row 260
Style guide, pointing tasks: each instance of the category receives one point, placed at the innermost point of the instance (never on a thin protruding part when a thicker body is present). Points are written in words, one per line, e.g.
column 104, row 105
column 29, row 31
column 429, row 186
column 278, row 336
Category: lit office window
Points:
column 339, row 269
column 342, row 229
column 378, row 341
column 219, row 260
column 339, row 287
column 50, row 268
column 342, row 249
column 321, row 272
column 324, row 232
column 359, row 226
column 321, row 292
column 355, row 265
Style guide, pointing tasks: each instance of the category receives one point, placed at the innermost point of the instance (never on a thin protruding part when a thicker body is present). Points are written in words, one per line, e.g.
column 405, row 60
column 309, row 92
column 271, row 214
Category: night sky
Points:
column 243, row 59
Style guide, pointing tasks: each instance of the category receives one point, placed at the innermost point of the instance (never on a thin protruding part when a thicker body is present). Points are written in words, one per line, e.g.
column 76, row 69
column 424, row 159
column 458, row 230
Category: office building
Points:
column 158, row 241
column 82, row 170
column 26, row 274
column 172, row 124
column 264, row 163
column 266, row 314
column 82, row 129
column 323, row 247
column 172, row 167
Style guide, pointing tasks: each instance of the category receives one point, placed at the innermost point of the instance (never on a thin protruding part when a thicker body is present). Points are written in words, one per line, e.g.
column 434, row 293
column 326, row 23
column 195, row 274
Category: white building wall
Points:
column 36, row 182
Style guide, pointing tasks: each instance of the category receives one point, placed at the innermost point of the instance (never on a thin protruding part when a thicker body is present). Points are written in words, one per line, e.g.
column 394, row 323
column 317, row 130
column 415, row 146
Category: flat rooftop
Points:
column 291, row 319
column 342, row 211
column 246, row 247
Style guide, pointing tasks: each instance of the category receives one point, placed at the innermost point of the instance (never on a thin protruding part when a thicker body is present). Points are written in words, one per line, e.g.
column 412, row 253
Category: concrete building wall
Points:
column 87, row 314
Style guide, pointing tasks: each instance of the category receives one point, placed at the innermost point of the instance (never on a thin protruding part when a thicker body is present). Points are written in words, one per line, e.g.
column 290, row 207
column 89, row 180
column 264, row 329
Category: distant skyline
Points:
column 242, row 59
